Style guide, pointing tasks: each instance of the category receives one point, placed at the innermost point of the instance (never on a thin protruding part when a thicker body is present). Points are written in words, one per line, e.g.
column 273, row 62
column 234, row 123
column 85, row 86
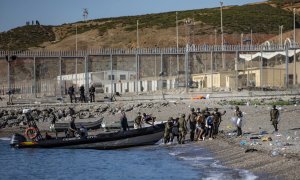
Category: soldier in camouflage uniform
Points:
column 182, row 129
column 192, row 122
column 274, row 113
column 168, row 130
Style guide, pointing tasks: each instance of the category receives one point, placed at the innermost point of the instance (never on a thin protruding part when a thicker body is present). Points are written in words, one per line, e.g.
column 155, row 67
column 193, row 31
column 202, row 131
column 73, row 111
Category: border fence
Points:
column 203, row 67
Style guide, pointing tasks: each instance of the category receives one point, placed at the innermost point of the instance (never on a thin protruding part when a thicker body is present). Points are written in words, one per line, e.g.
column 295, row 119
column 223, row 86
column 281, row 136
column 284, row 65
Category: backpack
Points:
column 209, row 120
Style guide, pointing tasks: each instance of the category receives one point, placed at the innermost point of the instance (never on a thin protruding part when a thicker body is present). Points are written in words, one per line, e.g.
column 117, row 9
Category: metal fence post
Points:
column 137, row 73
column 161, row 73
column 8, row 76
column 186, row 68
column 34, row 77
column 211, row 70
column 60, row 77
column 111, row 76
column 86, row 74
column 287, row 68
column 261, row 69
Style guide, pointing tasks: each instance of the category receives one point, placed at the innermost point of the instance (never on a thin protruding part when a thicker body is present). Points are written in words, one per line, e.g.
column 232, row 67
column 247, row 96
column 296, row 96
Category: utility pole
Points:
column 85, row 14
column 222, row 35
column 76, row 61
column 294, row 76
column 177, row 46
column 137, row 34
column 215, row 36
column 281, row 27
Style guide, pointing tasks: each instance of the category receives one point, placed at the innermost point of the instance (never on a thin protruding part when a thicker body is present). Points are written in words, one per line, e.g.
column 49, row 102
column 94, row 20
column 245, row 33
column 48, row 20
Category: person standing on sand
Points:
column 82, row 96
column 239, row 115
column 92, row 93
column 175, row 130
column 217, row 120
column 200, row 125
column 182, row 129
column 274, row 113
column 192, row 122
column 123, row 121
column 71, row 93
column 168, row 130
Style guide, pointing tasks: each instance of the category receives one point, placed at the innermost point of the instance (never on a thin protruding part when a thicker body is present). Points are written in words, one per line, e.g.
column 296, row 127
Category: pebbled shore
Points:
column 276, row 159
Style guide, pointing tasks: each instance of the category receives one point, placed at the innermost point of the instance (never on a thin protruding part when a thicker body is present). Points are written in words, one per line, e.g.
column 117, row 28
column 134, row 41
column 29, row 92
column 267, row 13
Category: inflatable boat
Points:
column 111, row 140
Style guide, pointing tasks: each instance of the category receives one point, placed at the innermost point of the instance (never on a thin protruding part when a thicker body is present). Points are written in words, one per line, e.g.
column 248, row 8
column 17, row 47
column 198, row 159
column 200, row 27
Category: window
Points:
column 111, row 77
column 122, row 77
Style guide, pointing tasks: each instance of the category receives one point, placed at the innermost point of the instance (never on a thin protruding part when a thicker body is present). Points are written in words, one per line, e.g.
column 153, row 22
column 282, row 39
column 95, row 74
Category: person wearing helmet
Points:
column 274, row 113
column 182, row 128
column 168, row 130
column 192, row 122
column 175, row 130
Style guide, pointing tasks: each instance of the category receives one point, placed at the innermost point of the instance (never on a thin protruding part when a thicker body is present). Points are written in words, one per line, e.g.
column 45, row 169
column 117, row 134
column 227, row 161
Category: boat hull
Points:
column 114, row 140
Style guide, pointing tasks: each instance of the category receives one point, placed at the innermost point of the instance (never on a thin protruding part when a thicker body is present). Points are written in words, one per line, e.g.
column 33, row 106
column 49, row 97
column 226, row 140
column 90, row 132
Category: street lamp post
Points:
column 251, row 38
column 215, row 37
column 76, row 61
column 281, row 27
column 222, row 35
column 294, row 78
column 177, row 46
column 137, row 34
column 242, row 36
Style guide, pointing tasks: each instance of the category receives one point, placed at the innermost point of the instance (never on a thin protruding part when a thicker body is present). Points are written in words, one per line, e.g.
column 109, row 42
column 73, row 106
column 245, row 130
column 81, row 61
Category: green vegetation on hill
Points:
column 261, row 18
column 22, row 38
column 284, row 2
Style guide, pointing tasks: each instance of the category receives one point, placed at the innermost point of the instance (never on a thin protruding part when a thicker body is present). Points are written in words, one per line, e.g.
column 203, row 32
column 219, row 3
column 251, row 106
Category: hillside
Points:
column 157, row 30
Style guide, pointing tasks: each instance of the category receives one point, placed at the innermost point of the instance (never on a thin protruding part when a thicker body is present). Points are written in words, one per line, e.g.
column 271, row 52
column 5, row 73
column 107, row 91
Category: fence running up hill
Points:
column 213, row 68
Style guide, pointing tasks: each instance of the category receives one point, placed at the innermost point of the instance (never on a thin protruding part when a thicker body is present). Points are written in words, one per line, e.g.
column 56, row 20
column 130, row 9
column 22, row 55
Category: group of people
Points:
column 71, row 92
column 200, row 124
column 139, row 120
column 203, row 123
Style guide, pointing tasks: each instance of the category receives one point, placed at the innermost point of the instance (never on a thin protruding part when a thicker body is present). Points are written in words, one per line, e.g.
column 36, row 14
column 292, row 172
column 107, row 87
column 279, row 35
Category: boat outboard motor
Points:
column 17, row 139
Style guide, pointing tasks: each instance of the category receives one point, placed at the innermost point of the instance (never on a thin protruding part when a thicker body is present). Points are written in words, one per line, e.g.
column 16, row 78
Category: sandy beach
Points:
column 272, row 159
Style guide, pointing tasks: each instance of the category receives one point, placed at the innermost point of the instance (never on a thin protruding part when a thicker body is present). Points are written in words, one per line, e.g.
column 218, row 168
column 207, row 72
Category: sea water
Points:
column 187, row 161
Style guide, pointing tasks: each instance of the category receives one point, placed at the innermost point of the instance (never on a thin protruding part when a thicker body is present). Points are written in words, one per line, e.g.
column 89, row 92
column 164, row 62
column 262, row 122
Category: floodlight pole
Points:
column 294, row 76
column 222, row 34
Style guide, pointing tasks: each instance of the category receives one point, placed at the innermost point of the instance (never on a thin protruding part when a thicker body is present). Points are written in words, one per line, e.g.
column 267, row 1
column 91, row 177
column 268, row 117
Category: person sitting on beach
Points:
column 83, row 131
column 72, row 127
column 138, row 121
column 148, row 119
column 47, row 136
